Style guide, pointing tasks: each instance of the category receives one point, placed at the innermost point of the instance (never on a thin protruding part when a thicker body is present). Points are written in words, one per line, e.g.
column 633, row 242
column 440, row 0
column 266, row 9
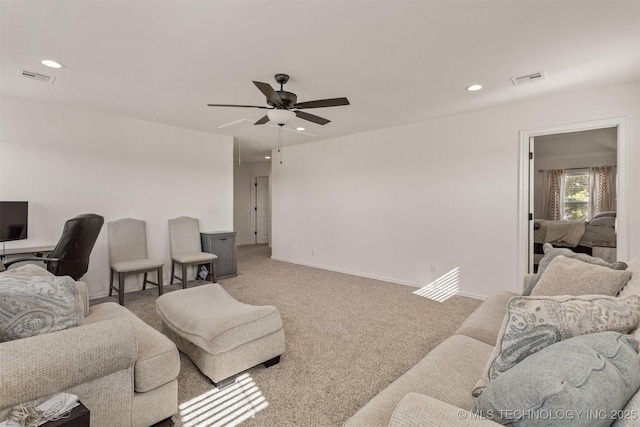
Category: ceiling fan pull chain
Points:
column 280, row 142
column 239, row 148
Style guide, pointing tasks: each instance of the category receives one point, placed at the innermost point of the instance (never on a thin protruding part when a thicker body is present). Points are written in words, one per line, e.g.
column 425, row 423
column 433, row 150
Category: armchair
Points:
column 123, row 370
column 95, row 362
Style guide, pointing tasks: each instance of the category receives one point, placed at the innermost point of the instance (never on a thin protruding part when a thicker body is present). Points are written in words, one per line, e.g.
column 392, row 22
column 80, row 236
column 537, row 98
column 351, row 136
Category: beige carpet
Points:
column 347, row 338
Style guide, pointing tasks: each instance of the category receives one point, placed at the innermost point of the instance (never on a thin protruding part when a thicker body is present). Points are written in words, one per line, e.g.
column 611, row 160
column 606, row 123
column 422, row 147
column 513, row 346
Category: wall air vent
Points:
column 529, row 78
column 36, row 76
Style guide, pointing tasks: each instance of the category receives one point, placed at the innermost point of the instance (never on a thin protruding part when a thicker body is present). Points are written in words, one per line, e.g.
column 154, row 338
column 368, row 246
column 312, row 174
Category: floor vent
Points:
column 36, row 76
column 529, row 78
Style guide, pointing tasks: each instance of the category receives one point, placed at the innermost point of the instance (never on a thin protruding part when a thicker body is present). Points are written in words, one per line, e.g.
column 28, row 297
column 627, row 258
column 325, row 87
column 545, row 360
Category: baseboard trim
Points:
column 371, row 276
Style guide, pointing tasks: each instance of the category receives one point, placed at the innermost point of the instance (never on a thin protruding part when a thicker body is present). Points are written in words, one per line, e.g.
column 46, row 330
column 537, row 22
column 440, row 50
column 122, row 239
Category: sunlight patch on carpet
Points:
column 224, row 408
column 443, row 288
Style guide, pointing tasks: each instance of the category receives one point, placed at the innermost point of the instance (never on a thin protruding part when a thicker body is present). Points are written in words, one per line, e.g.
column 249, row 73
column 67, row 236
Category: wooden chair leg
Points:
column 184, row 276
column 214, row 276
column 121, row 288
column 173, row 272
column 144, row 281
column 160, row 284
column 111, row 283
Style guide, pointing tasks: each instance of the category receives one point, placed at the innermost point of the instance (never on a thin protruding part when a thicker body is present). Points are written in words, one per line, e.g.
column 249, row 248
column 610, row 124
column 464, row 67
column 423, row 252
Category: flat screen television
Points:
column 13, row 220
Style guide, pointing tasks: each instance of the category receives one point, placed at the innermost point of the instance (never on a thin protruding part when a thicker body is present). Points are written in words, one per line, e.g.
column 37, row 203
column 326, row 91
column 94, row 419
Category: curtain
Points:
column 552, row 194
column 603, row 190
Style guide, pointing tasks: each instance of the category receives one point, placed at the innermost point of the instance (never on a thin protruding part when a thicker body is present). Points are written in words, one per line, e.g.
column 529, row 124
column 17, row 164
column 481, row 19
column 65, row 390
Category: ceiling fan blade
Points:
column 262, row 121
column 271, row 94
column 312, row 118
column 233, row 105
column 333, row 102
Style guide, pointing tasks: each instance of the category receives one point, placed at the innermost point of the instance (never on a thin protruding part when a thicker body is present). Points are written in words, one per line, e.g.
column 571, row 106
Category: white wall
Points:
column 392, row 203
column 243, row 212
column 66, row 161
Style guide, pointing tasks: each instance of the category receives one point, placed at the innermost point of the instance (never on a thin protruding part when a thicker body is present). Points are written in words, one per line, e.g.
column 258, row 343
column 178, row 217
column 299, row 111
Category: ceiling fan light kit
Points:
column 281, row 117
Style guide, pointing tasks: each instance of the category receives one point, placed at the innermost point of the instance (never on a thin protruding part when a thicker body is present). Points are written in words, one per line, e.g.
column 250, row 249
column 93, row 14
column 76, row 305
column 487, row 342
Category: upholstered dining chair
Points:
column 186, row 248
column 128, row 255
column 71, row 255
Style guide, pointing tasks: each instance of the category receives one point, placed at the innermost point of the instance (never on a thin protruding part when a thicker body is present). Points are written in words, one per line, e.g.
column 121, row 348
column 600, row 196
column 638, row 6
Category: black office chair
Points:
column 70, row 257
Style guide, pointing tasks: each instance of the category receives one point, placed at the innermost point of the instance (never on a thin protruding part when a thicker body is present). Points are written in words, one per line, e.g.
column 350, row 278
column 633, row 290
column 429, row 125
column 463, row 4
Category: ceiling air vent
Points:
column 529, row 78
column 36, row 76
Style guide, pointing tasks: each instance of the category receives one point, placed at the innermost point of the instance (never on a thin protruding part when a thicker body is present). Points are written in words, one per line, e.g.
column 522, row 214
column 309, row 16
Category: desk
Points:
column 36, row 250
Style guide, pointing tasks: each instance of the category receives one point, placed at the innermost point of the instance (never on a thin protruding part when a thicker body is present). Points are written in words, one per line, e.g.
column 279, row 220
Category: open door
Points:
column 531, row 244
column 262, row 210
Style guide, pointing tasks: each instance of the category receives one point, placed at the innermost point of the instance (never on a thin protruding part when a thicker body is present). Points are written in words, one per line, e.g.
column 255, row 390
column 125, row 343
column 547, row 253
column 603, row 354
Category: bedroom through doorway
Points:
column 573, row 190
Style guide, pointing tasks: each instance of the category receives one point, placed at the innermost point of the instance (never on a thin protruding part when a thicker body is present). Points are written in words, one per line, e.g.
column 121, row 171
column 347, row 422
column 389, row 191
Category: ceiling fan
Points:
column 284, row 106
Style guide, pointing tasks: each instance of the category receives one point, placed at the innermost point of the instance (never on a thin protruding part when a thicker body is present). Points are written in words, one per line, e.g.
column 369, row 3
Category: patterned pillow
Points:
column 533, row 323
column 34, row 305
column 568, row 276
column 633, row 285
column 28, row 270
column 550, row 253
column 583, row 381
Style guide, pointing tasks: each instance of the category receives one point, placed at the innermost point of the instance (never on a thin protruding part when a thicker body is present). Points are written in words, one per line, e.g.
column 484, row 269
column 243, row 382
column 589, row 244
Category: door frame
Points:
column 526, row 186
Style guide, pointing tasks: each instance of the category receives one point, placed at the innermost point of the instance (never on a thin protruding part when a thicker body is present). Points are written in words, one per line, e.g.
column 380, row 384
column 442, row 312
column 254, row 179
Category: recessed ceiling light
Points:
column 300, row 129
column 267, row 157
column 51, row 63
column 474, row 88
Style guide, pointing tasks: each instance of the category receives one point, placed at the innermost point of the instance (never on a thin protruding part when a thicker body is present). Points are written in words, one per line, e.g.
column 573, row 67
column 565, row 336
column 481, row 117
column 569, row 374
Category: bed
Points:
column 579, row 236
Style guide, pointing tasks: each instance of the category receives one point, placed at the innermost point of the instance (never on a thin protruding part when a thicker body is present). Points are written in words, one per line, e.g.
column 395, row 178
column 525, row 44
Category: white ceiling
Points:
column 397, row 61
column 571, row 145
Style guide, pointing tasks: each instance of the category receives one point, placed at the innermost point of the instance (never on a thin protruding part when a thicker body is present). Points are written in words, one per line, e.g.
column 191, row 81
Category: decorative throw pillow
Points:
column 568, row 276
column 36, row 270
column 34, row 305
column 583, row 381
column 550, row 253
column 633, row 285
column 633, row 288
column 629, row 416
column 28, row 270
column 533, row 323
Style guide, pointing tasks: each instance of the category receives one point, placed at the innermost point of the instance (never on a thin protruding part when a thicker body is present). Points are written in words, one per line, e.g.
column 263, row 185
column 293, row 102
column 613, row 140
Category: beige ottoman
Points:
column 221, row 335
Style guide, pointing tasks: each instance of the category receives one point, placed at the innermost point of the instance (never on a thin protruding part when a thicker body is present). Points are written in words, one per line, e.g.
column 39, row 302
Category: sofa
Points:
column 439, row 389
column 124, row 371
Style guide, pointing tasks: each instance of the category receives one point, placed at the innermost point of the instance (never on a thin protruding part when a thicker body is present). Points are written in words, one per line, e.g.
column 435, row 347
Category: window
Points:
column 576, row 194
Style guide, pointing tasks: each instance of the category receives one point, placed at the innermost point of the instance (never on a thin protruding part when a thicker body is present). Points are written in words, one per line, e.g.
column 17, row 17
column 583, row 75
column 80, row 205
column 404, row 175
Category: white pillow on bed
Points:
column 609, row 221
column 610, row 214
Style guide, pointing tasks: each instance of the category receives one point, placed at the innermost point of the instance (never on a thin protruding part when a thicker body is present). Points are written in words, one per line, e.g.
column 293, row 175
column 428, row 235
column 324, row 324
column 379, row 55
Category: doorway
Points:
column 528, row 171
column 262, row 210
